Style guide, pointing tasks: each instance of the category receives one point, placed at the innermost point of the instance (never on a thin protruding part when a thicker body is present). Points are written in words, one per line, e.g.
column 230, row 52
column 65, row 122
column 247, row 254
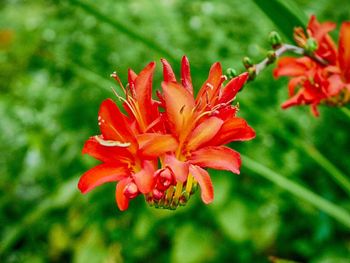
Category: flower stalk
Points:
column 333, row 210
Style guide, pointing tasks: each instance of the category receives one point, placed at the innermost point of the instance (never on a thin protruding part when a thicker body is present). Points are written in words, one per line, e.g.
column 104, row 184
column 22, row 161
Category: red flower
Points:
column 128, row 156
column 201, row 127
column 313, row 82
column 186, row 137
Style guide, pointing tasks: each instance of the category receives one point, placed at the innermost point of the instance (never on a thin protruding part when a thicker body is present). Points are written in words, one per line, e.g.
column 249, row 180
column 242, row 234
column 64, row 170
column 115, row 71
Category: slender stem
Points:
column 335, row 211
column 346, row 111
column 336, row 174
column 124, row 29
column 283, row 49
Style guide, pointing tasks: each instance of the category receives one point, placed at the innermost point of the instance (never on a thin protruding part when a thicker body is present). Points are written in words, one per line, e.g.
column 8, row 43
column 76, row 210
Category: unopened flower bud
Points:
column 247, row 62
column 131, row 190
column 271, row 56
column 164, row 178
column 252, row 73
column 275, row 40
column 311, row 45
column 157, row 194
column 231, row 73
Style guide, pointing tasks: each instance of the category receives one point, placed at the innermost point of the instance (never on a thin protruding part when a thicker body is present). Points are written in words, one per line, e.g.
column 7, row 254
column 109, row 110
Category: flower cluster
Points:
column 323, row 74
column 160, row 148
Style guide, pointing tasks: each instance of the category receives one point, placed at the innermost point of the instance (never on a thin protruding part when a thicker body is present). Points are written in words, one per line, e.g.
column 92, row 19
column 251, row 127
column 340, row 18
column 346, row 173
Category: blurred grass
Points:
column 55, row 61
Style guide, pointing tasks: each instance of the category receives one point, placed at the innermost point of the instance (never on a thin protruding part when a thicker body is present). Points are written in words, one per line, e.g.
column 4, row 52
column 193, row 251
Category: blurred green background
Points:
column 55, row 61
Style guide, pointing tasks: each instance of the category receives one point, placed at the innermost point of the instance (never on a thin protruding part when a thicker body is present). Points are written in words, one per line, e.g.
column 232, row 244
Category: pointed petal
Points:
column 113, row 125
column 204, row 181
column 168, row 73
column 326, row 46
column 319, row 30
column 179, row 168
column 186, row 74
column 131, row 79
column 217, row 157
column 293, row 83
column 121, row 199
column 234, row 129
column 101, row 174
column 179, row 104
column 292, row 67
column 143, row 90
column 144, row 178
column 344, row 50
column 336, row 84
column 105, row 154
column 212, row 85
column 314, row 110
column 204, row 132
column 232, row 87
column 155, row 144
column 297, row 99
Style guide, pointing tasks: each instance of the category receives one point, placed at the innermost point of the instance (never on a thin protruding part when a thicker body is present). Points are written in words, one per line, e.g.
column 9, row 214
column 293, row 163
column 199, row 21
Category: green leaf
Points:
column 285, row 14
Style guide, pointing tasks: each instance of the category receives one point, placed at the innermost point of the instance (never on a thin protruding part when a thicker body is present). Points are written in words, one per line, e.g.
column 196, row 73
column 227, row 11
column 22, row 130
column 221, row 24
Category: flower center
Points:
column 168, row 194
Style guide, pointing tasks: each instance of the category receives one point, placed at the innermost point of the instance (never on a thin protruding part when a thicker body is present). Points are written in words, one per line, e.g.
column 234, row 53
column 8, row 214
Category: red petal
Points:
column 179, row 168
column 219, row 157
column 144, row 178
column 100, row 174
column 155, row 144
column 326, row 46
column 104, row 153
column 293, row 83
column 204, row 132
column 318, row 30
column 297, row 99
column 179, row 104
column 231, row 88
column 186, row 74
column 344, row 50
column 234, row 129
column 113, row 125
column 212, row 85
column 143, row 90
column 131, row 79
column 121, row 199
column 168, row 73
column 336, row 84
column 204, row 181
column 292, row 67
column 314, row 110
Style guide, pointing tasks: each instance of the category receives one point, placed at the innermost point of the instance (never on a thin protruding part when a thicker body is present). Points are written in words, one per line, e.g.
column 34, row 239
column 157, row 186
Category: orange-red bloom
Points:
column 201, row 127
column 313, row 82
column 186, row 137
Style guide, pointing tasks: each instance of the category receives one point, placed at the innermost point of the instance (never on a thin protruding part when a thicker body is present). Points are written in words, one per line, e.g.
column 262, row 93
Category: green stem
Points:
column 284, row 48
column 322, row 161
column 319, row 202
column 124, row 29
column 346, row 111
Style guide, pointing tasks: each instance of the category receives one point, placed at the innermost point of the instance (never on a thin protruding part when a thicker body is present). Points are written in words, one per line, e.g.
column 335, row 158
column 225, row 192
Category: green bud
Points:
column 231, row 73
column 271, row 56
column 311, row 45
column 252, row 73
column 247, row 62
column 275, row 39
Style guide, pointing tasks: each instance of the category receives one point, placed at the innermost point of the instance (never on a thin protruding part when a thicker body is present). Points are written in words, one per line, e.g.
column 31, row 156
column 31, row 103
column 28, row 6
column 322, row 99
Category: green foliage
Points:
column 55, row 61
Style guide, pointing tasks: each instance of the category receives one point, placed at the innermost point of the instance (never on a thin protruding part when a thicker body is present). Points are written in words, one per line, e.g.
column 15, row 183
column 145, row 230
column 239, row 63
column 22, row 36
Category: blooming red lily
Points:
column 313, row 82
column 128, row 156
column 186, row 137
column 201, row 127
